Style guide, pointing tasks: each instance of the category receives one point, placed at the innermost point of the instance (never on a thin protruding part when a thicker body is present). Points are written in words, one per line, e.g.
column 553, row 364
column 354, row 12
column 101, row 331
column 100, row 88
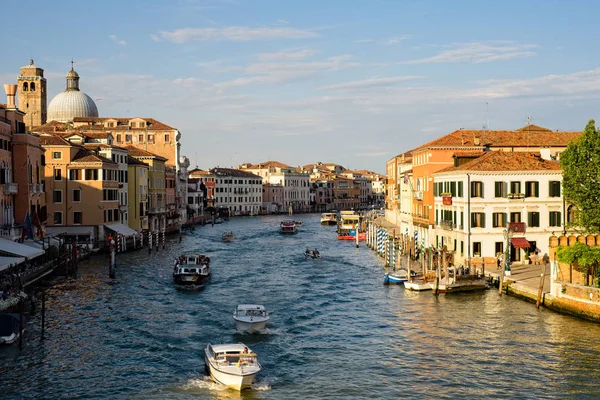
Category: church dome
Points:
column 71, row 103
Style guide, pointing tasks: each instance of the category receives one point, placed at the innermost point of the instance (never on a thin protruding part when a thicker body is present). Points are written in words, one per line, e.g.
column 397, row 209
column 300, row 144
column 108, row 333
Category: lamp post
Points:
column 508, row 234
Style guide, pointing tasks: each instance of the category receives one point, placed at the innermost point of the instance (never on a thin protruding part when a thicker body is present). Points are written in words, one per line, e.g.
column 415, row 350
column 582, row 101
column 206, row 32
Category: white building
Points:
column 195, row 199
column 238, row 191
column 475, row 202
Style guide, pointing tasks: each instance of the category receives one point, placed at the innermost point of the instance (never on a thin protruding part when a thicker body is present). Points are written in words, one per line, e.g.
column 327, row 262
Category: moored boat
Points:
column 398, row 277
column 227, row 236
column 233, row 365
column 191, row 268
column 328, row 219
column 9, row 328
column 349, row 226
column 250, row 317
column 288, row 227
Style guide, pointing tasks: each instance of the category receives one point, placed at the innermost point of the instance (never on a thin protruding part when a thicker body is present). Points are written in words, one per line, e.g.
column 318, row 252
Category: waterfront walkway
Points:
column 525, row 278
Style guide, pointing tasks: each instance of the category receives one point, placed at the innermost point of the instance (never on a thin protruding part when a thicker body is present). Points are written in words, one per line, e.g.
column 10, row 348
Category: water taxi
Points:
column 227, row 236
column 250, row 318
column 349, row 226
column 233, row 365
column 191, row 268
column 288, row 227
column 328, row 219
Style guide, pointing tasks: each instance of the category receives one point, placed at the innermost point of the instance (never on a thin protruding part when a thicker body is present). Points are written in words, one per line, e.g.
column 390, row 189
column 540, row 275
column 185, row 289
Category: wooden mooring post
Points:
column 541, row 287
column 43, row 313
column 21, row 305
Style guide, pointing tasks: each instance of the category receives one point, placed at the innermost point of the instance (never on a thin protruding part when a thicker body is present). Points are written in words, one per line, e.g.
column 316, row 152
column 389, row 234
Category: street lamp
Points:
column 508, row 234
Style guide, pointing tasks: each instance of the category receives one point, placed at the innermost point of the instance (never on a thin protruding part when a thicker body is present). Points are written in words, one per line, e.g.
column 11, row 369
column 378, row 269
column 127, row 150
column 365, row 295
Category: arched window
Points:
column 32, row 87
column 571, row 211
column 25, row 86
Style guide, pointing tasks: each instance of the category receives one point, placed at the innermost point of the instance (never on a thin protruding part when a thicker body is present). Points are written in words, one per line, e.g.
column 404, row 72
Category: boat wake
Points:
column 205, row 383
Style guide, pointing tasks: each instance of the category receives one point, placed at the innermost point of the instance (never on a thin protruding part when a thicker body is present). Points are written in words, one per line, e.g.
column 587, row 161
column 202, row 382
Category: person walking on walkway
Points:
column 500, row 260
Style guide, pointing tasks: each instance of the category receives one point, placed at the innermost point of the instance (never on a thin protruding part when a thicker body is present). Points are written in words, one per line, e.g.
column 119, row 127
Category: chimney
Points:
column 476, row 141
column 11, row 91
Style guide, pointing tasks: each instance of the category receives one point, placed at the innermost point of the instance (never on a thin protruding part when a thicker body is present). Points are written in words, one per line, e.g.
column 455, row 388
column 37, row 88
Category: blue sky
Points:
column 354, row 82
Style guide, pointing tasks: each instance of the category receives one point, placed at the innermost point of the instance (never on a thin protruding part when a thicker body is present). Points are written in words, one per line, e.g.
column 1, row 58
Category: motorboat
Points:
column 395, row 277
column 250, row 317
column 288, row 227
column 9, row 328
column 227, row 236
column 329, row 219
column 299, row 223
column 308, row 253
column 233, row 365
column 191, row 268
column 349, row 226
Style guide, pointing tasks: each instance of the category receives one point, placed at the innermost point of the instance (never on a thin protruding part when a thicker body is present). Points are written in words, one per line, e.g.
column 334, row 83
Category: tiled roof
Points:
column 469, row 153
column 135, row 161
column 52, row 140
column 507, row 161
column 135, row 152
column 233, row 172
column 50, row 127
column 268, row 164
column 85, row 156
column 152, row 124
column 97, row 145
column 533, row 128
column 538, row 137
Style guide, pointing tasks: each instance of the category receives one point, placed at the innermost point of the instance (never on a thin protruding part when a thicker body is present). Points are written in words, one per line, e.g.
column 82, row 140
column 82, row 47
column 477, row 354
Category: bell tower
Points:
column 31, row 93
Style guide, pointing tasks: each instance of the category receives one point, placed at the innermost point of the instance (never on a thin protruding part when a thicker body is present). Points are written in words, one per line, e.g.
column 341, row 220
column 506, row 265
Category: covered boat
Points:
column 328, row 219
column 233, row 365
column 9, row 328
column 191, row 268
column 349, row 226
column 288, row 227
column 250, row 317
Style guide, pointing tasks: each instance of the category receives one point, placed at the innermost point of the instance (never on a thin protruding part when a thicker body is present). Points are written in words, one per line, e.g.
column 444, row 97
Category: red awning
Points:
column 520, row 243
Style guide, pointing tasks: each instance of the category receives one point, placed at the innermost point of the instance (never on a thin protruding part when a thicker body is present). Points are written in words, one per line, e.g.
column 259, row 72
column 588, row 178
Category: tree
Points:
column 585, row 258
column 580, row 163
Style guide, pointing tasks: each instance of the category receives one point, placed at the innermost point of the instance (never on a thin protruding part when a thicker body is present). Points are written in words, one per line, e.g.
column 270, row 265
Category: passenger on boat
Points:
column 316, row 252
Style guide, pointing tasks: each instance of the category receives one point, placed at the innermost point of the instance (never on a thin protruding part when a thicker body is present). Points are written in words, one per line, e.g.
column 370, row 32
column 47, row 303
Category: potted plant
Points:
column 526, row 259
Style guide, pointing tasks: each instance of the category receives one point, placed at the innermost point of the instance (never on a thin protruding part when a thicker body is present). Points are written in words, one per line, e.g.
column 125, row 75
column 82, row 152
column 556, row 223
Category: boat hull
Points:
column 393, row 279
column 233, row 381
column 251, row 327
column 189, row 279
column 361, row 236
column 418, row 286
column 328, row 222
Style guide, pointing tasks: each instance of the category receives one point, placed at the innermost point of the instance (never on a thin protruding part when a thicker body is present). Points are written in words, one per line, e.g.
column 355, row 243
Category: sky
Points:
column 354, row 82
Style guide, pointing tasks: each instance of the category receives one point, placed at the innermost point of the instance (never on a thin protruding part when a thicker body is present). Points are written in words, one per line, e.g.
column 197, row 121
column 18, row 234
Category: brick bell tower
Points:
column 31, row 93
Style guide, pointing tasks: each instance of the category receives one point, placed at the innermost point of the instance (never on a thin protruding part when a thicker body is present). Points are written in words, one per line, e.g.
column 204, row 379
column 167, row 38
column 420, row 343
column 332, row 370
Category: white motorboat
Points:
column 329, row 219
column 9, row 328
column 250, row 317
column 233, row 365
column 227, row 236
column 191, row 268
column 288, row 227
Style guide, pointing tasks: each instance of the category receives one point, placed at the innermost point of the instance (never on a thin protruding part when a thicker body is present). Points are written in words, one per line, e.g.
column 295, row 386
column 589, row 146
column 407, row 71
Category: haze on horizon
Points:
column 352, row 82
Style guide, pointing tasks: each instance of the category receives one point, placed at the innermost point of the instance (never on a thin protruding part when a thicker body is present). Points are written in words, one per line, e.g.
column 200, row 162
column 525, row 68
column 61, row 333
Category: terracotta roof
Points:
column 469, row 153
column 268, row 164
column 507, row 161
column 135, row 161
column 86, row 156
column 233, row 172
column 97, row 145
column 193, row 180
column 540, row 137
column 52, row 140
column 135, row 152
column 50, row 127
column 533, row 128
column 152, row 124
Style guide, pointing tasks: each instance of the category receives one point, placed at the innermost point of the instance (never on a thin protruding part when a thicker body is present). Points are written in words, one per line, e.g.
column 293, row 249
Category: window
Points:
column 571, row 214
column 476, row 189
column 532, row 189
column 57, row 196
column 57, row 155
column 77, row 217
column 500, row 189
column 116, row 214
column 515, row 187
column 150, row 138
column 119, row 138
column 499, row 220
column 477, row 249
column 167, row 138
column 58, row 218
column 533, row 219
column 554, row 189
column 57, row 174
column 555, row 219
column 77, row 195
column 75, row 174
column 128, row 138
column 141, row 138
column 32, row 86
column 515, row 217
column 91, row 174
column 477, row 220
column 499, row 247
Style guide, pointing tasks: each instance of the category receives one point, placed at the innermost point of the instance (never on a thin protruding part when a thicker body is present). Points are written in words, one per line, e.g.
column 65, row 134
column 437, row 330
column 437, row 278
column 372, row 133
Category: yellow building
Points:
column 138, row 193
column 157, row 193
column 81, row 190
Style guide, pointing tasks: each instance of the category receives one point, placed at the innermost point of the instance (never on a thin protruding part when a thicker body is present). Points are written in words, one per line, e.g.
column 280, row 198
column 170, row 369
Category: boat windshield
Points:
column 236, row 359
column 255, row 313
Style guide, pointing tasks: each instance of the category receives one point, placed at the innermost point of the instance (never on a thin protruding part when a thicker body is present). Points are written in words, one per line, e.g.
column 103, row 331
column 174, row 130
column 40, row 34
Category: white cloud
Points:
column 478, row 52
column 370, row 83
column 287, row 55
column 118, row 41
column 233, row 33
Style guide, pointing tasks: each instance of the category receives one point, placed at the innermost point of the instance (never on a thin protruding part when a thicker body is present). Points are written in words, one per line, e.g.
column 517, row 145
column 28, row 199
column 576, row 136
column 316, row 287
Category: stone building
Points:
column 32, row 95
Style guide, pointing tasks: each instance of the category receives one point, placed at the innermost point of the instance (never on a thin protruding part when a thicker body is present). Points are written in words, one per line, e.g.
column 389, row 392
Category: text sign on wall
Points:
column 447, row 201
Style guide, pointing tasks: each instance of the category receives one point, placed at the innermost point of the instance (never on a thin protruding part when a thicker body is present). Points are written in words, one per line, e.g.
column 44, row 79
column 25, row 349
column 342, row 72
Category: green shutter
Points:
column 537, row 189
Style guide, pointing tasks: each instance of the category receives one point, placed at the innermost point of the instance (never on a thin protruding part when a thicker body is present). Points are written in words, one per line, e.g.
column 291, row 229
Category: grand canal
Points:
column 335, row 332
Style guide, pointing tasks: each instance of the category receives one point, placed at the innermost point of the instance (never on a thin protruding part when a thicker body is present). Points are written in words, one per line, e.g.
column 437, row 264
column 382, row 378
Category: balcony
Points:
column 156, row 210
column 516, row 196
column 447, row 225
column 418, row 195
column 36, row 188
column 10, row 188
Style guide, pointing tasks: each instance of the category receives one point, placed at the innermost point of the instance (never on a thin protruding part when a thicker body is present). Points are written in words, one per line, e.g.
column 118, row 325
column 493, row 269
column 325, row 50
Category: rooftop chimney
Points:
column 11, row 91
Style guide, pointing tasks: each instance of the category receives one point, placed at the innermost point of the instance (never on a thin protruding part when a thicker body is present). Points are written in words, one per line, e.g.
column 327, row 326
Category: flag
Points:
column 27, row 231
column 35, row 220
column 405, row 178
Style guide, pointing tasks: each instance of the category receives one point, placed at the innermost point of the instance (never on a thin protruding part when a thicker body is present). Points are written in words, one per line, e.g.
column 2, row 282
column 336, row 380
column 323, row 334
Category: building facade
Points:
column 137, row 193
column 238, row 191
column 32, row 95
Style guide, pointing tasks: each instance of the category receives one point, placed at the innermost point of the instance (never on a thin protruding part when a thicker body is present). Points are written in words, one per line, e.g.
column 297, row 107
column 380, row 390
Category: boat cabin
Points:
column 232, row 354
column 250, row 310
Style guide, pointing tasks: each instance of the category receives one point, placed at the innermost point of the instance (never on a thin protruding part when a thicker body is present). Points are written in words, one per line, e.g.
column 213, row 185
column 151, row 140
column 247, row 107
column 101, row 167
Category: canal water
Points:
column 336, row 331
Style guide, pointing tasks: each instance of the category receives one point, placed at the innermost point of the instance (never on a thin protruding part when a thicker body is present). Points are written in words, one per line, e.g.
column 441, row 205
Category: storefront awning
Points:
column 520, row 243
column 71, row 230
column 122, row 229
column 6, row 262
column 17, row 249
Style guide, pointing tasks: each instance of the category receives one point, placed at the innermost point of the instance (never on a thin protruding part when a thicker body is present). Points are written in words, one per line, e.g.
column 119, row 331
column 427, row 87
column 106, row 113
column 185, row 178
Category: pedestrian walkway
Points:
column 525, row 277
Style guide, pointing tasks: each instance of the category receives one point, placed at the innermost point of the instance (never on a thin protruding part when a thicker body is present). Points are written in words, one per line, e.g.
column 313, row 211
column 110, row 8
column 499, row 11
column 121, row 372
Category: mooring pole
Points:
column 21, row 324
column 541, row 287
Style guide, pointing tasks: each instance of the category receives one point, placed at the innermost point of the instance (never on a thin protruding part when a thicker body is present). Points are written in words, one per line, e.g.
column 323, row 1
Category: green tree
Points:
column 580, row 163
column 584, row 258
